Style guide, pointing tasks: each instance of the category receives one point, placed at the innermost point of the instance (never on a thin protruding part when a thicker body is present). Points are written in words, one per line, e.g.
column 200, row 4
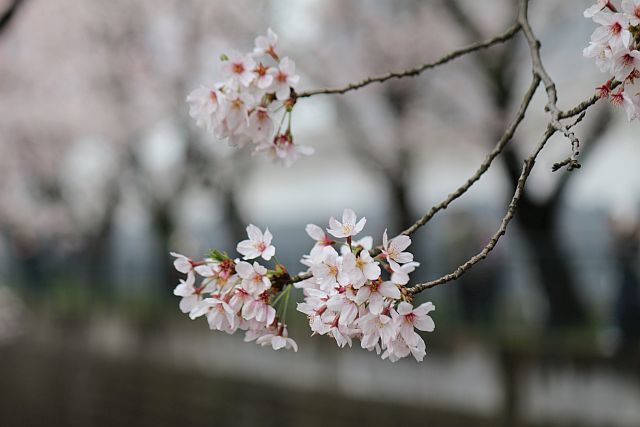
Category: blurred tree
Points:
column 537, row 217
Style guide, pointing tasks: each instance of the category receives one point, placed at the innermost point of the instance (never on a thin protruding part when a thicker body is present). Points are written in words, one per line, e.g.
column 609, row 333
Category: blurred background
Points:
column 102, row 173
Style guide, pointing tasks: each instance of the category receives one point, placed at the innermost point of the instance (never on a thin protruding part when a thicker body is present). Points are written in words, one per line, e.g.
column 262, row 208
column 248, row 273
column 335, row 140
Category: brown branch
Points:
column 500, row 38
column 511, row 210
column 486, row 164
column 552, row 93
column 539, row 75
column 554, row 126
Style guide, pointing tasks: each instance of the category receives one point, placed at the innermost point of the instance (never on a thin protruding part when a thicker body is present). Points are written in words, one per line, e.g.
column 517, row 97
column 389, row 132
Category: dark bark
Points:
column 233, row 217
column 9, row 14
column 163, row 225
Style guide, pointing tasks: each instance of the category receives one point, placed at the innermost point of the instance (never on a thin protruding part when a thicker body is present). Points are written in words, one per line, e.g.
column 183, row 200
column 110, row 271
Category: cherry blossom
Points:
column 632, row 10
column 282, row 149
column 614, row 29
column 617, row 52
column 631, row 104
column 377, row 329
column 206, row 106
column 401, row 275
column 602, row 54
column 260, row 126
column 238, row 69
column 240, row 108
column 348, row 227
column 258, row 244
column 266, row 44
column 321, row 238
column 375, row 293
column 348, row 294
column 600, row 4
column 254, row 277
column 407, row 318
column 278, row 340
column 188, row 292
column 182, row 263
column 350, row 297
column 360, row 268
column 624, row 63
column 284, row 78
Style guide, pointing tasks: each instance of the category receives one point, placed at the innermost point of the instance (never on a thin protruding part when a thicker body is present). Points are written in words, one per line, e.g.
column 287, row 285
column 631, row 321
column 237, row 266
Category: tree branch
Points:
column 513, row 206
column 554, row 125
column 552, row 95
column 486, row 164
column 506, row 35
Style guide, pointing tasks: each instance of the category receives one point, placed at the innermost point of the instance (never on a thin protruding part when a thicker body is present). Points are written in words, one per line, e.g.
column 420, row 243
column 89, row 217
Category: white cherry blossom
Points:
column 254, row 277
column 614, row 29
column 401, row 275
column 407, row 318
column 348, row 227
column 238, row 69
column 374, row 293
column 284, row 79
column 266, row 45
column 260, row 126
column 632, row 10
column 207, row 106
column 182, row 263
column 600, row 4
column 278, row 340
column 258, row 244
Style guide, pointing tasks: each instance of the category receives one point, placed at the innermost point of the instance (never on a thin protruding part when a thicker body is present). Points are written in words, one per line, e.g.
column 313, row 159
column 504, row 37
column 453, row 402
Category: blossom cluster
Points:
column 348, row 298
column 241, row 107
column 235, row 295
column 615, row 45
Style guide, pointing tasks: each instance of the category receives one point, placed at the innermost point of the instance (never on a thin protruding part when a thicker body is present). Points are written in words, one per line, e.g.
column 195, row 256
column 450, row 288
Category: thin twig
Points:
column 578, row 109
column 538, row 68
column 554, row 125
column 486, row 164
column 511, row 210
column 500, row 38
